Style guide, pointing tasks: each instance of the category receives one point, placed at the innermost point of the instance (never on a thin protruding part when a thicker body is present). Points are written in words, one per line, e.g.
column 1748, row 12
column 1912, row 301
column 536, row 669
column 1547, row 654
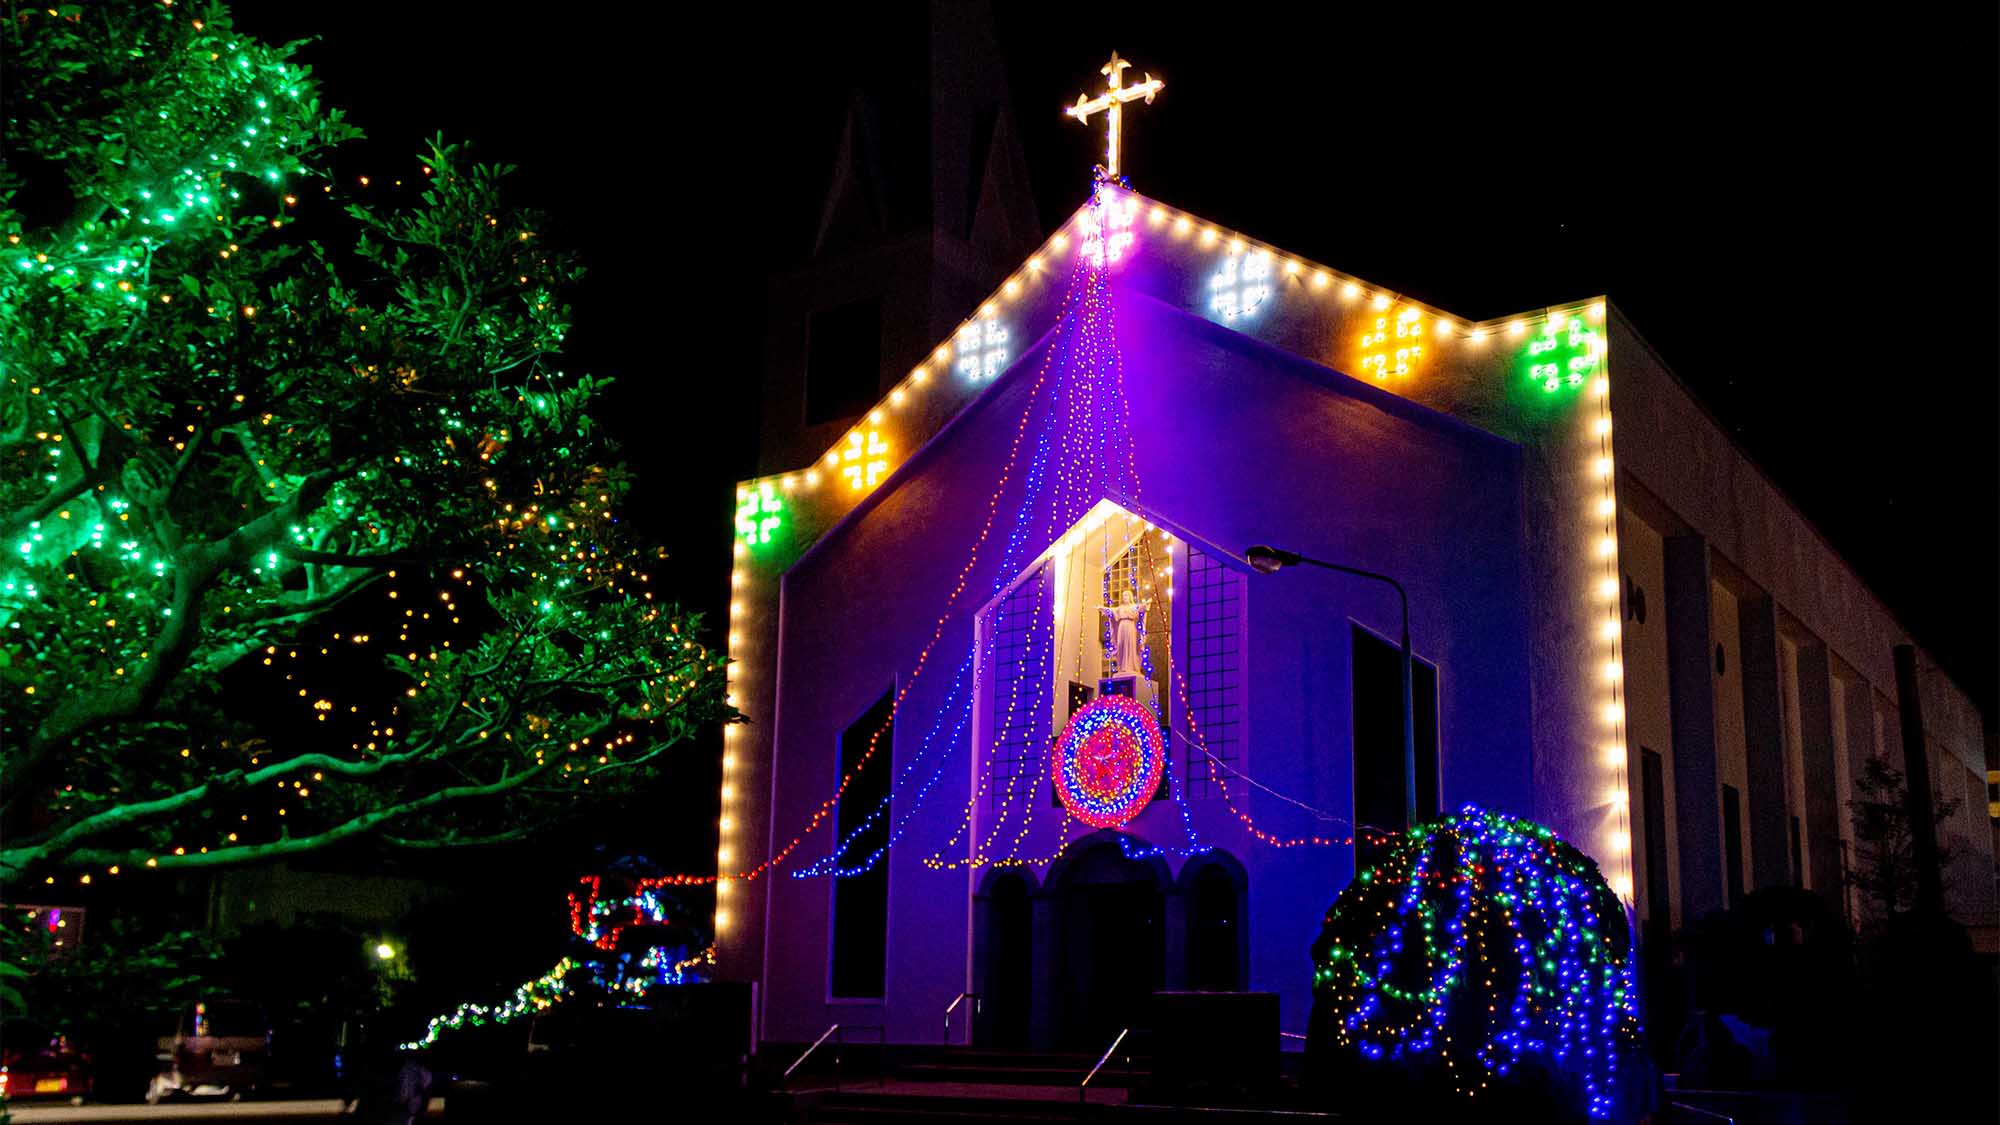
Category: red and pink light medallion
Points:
column 1109, row 761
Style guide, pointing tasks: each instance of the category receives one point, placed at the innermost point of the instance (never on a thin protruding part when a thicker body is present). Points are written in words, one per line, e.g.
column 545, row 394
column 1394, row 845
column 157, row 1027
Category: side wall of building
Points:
column 1806, row 691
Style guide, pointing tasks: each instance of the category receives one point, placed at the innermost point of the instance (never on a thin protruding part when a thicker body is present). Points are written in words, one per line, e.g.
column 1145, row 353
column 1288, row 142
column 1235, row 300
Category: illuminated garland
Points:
column 1108, row 761
column 534, row 996
column 1483, row 939
column 599, row 921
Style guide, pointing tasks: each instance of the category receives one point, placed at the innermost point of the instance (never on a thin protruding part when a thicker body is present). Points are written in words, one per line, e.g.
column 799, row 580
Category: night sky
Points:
column 1798, row 212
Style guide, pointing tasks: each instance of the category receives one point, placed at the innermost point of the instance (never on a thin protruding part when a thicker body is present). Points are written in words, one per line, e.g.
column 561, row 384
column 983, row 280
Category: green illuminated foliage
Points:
column 231, row 402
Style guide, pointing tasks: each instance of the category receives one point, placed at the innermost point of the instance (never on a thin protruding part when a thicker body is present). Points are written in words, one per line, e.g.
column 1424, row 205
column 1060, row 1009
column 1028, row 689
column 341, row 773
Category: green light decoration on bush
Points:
column 1477, row 943
column 1564, row 354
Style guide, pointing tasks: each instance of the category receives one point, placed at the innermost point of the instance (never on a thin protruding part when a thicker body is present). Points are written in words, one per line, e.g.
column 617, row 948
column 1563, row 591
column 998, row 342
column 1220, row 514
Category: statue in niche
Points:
column 1124, row 634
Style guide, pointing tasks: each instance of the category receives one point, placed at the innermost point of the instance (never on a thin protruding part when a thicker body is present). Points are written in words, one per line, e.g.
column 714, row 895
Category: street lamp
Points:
column 384, row 951
column 1270, row 560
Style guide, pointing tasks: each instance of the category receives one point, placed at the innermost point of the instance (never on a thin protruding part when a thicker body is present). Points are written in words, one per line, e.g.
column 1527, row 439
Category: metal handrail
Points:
column 800, row 1061
column 1704, row 1112
column 1101, row 1060
column 953, row 1006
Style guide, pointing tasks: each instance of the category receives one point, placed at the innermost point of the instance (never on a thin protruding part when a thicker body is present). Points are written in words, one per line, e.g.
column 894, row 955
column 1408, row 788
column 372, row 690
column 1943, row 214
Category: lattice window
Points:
column 1214, row 648
column 1020, row 706
column 1147, row 571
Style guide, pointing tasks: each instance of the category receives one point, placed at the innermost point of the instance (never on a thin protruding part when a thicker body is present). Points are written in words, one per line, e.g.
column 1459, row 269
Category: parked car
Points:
column 218, row 1048
column 37, row 1063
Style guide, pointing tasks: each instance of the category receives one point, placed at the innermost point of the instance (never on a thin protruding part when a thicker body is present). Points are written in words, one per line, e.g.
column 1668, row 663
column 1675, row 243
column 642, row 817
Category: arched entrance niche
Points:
column 1004, row 959
column 1215, row 897
column 1108, row 928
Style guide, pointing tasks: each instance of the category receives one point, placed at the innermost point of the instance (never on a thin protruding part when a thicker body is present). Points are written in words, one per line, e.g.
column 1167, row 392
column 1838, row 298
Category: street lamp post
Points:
column 1270, row 560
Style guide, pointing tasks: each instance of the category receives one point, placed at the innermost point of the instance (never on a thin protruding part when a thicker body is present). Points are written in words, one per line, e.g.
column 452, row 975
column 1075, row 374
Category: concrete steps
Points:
column 1023, row 1068
column 972, row 1086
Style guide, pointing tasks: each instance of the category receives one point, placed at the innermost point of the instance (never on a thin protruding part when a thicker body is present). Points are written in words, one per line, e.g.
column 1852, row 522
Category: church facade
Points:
column 1621, row 631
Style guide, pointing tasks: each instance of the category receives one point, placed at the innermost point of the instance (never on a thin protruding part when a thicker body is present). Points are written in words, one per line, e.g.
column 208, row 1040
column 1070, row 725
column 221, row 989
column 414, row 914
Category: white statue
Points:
column 1124, row 633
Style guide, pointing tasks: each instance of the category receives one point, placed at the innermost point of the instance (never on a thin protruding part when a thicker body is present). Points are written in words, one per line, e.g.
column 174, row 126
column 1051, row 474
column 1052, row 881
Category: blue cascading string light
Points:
column 1078, row 458
column 1481, row 940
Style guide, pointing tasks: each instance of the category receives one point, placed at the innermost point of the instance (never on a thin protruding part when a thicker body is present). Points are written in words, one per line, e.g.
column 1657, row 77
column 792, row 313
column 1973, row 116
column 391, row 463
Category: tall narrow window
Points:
column 1214, row 615
column 1659, row 901
column 861, row 900
column 1732, row 842
column 1378, row 739
column 1798, row 856
column 843, row 360
column 1018, row 710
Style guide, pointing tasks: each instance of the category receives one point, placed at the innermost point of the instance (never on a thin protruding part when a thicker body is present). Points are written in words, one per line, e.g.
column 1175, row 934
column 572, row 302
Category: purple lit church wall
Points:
column 1234, row 442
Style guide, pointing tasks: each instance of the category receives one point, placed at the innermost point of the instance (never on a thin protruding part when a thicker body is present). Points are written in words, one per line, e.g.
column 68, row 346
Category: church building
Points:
column 1023, row 722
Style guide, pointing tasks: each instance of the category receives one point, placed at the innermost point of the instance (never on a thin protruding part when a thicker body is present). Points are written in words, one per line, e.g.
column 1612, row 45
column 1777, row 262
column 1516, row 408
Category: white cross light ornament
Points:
column 1113, row 100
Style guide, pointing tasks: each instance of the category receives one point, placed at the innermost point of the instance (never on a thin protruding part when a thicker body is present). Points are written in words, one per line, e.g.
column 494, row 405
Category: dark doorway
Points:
column 1110, row 917
column 1009, row 995
column 1116, row 958
column 1215, row 927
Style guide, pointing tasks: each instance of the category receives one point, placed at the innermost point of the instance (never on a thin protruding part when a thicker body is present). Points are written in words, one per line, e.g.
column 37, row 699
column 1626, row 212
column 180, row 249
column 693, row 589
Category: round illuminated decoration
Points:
column 1109, row 761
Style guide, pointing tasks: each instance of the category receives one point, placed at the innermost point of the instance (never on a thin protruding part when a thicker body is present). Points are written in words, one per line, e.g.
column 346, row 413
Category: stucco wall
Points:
column 1700, row 480
column 1648, row 706
column 1731, row 749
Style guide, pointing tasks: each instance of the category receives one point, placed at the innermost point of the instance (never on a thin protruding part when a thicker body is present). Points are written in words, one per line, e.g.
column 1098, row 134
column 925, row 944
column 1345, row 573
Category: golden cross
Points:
column 1113, row 99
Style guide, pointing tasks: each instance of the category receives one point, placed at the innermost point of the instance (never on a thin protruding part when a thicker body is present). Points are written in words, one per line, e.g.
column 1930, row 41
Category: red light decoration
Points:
column 1109, row 761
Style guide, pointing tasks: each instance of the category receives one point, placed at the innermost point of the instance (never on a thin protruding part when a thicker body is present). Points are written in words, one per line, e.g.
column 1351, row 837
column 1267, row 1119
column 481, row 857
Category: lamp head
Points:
column 1270, row 560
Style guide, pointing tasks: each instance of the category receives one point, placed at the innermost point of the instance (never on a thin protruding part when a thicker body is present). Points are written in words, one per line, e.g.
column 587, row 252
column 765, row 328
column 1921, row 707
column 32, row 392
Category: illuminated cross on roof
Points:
column 1113, row 99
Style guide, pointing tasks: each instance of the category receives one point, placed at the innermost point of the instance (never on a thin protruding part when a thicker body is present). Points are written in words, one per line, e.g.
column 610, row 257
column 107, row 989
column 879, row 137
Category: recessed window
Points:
column 1653, row 802
column 861, row 898
column 1732, row 842
column 843, row 360
column 1378, row 739
column 1214, row 664
column 1721, row 661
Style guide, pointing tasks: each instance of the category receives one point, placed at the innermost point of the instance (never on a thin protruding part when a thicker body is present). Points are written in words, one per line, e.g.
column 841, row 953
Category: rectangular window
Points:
column 1378, row 738
column 1659, row 899
column 1214, row 662
column 1798, row 856
column 1732, row 842
column 1018, row 711
column 1846, row 885
column 861, row 900
column 843, row 360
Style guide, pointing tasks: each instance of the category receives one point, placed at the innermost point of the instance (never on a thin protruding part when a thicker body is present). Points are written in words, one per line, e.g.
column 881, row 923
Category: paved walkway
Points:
column 900, row 1088
column 304, row 1109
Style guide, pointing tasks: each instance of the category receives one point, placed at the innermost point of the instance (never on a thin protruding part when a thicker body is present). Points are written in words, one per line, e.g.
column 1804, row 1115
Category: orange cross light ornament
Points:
column 1113, row 100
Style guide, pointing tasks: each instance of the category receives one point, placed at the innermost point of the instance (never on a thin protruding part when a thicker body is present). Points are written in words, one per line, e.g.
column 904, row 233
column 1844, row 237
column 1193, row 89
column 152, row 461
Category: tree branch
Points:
column 196, row 568
column 452, row 841
column 337, row 558
column 12, row 862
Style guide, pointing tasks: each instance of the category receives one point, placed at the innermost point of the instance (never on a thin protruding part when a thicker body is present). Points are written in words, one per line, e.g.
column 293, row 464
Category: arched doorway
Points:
column 1110, row 941
column 1216, row 890
column 1004, row 914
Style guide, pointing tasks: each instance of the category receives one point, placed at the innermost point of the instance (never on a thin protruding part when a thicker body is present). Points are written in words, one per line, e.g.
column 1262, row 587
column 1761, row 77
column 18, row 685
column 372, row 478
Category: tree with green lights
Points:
column 228, row 406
